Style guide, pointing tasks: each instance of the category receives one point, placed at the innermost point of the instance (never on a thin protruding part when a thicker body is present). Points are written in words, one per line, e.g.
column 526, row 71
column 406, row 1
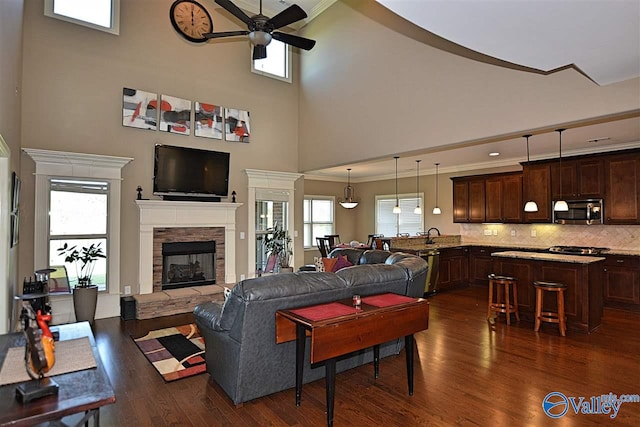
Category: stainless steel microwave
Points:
column 587, row 212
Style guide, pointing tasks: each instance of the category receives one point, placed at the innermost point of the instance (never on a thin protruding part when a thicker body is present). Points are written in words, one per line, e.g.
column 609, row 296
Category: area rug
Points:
column 176, row 352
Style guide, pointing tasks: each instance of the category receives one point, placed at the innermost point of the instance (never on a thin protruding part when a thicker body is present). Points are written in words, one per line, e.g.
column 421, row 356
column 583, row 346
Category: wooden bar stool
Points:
column 503, row 286
column 550, row 316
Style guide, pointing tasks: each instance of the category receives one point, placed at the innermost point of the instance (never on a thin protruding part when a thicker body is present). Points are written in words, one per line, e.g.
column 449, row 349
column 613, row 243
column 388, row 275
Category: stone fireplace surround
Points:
column 161, row 219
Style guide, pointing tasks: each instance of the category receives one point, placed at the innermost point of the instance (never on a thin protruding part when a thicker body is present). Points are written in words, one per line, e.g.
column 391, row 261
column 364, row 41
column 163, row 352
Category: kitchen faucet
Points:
column 429, row 239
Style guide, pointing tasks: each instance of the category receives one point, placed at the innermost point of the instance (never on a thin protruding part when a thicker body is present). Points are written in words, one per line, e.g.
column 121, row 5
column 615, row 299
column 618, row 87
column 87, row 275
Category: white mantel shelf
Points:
column 168, row 214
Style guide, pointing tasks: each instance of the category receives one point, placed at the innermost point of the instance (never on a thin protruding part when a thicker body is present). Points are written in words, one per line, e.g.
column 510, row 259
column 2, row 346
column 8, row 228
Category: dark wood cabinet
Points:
column 583, row 297
column 622, row 192
column 581, row 179
column 469, row 199
column 453, row 268
column 503, row 195
column 536, row 186
column 622, row 282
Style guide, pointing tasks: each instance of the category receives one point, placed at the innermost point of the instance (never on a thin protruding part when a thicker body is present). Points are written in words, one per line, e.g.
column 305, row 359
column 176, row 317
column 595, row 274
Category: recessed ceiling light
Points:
column 494, row 154
column 604, row 138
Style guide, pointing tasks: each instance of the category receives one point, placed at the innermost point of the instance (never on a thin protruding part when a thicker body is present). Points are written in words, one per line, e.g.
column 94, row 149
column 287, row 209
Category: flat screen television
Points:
column 182, row 173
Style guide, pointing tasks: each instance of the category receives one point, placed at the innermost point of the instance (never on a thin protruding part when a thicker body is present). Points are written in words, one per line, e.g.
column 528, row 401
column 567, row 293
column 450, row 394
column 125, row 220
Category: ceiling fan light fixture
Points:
column 260, row 38
column 259, row 52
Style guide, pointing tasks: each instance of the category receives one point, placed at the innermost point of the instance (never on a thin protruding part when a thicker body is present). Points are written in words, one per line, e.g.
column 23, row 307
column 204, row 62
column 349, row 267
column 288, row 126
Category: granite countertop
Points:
column 627, row 252
column 576, row 259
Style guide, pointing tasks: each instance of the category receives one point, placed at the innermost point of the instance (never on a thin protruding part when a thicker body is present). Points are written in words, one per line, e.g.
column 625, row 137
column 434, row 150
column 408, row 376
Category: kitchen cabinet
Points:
column 536, row 186
column 503, row 195
column 622, row 189
column 581, row 179
column 622, row 282
column 469, row 199
column 454, row 268
column 583, row 296
column 480, row 264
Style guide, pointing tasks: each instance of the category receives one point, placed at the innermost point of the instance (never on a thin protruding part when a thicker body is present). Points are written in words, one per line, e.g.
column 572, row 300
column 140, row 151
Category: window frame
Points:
column 287, row 78
column 95, row 236
column 406, row 199
column 310, row 198
column 115, row 17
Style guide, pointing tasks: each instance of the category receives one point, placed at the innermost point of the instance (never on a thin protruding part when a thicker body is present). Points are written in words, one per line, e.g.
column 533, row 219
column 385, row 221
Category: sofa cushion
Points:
column 387, row 276
column 353, row 255
column 318, row 263
column 374, row 257
column 329, row 264
column 287, row 285
column 341, row 262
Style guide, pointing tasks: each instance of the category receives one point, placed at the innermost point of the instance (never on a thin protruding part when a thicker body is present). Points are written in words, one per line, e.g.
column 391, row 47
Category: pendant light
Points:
column 530, row 206
column 436, row 210
column 418, row 209
column 560, row 205
column 349, row 201
column 396, row 208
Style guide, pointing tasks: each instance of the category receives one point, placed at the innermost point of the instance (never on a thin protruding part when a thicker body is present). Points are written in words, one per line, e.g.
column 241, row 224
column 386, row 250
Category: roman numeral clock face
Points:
column 191, row 20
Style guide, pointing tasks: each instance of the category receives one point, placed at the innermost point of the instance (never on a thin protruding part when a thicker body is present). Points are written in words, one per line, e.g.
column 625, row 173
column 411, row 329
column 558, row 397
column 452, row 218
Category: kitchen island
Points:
column 581, row 274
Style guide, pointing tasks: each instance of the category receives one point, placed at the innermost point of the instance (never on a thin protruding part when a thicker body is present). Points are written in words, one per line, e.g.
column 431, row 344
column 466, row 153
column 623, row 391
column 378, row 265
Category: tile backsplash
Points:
column 626, row 237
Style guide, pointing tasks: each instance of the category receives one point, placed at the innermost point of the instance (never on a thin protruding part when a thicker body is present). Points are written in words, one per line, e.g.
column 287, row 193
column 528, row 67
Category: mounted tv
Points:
column 182, row 173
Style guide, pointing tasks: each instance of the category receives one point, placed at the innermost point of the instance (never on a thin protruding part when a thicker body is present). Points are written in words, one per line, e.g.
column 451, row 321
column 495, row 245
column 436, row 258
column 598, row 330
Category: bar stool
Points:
column 497, row 305
column 550, row 316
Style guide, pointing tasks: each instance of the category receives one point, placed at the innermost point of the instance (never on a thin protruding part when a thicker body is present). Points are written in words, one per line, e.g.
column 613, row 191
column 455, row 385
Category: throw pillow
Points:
column 329, row 263
column 318, row 262
column 341, row 263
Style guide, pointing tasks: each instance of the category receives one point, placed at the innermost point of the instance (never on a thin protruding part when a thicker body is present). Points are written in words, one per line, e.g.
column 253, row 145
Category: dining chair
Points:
column 323, row 246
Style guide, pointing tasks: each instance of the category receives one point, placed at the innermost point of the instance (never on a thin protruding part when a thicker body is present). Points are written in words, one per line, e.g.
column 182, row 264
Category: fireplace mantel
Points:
column 167, row 214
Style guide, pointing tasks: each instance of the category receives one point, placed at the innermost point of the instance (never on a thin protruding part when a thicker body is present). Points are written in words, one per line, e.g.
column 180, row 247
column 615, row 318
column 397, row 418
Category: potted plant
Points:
column 85, row 295
column 278, row 244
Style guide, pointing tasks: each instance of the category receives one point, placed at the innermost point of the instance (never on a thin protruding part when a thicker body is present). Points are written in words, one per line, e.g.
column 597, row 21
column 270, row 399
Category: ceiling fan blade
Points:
column 259, row 52
column 235, row 11
column 288, row 16
column 297, row 41
column 225, row 34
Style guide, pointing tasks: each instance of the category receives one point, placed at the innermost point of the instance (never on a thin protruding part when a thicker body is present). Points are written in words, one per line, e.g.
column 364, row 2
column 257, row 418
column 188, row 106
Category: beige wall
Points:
column 373, row 87
column 11, row 12
column 72, row 101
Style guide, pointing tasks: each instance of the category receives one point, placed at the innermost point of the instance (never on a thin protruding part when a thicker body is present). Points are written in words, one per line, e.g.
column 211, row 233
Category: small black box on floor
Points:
column 127, row 308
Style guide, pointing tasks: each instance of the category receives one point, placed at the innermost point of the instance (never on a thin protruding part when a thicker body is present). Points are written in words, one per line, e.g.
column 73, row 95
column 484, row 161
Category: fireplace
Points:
column 187, row 264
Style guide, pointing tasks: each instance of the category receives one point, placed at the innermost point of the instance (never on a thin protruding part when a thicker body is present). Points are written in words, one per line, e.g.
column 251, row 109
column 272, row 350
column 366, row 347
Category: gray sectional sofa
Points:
column 241, row 353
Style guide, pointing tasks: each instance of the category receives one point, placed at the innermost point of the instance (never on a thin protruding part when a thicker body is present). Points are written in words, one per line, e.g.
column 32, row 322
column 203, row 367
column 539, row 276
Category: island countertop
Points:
column 576, row 259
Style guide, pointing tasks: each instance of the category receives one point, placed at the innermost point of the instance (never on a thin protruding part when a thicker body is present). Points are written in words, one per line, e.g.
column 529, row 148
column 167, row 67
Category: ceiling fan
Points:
column 261, row 28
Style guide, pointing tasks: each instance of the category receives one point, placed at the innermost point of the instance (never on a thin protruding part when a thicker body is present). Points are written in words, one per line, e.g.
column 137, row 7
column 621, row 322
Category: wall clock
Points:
column 191, row 20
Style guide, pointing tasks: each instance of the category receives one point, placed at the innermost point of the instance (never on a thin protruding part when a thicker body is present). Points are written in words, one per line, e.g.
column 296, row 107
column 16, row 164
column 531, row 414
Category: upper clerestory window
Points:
column 103, row 15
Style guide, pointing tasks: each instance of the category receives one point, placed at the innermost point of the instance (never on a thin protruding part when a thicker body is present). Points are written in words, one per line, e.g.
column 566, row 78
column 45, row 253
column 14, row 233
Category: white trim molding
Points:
column 79, row 165
column 167, row 214
column 261, row 184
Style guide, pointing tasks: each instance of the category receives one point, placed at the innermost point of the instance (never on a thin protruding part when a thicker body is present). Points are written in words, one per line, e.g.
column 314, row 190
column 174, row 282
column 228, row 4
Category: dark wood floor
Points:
column 468, row 372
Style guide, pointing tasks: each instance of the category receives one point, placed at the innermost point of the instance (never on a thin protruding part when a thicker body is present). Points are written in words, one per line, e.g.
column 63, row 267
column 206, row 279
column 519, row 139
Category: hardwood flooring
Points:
column 468, row 372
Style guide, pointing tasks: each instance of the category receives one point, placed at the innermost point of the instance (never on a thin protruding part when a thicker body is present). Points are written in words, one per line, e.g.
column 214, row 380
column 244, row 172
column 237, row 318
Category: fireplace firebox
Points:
column 187, row 264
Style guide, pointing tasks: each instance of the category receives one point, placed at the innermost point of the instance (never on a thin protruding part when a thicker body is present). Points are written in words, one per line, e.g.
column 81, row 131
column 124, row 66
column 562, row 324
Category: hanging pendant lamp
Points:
column 560, row 205
column 530, row 206
column 418, row 209
column 396, row 208
column 349, row 201
column 436, row 209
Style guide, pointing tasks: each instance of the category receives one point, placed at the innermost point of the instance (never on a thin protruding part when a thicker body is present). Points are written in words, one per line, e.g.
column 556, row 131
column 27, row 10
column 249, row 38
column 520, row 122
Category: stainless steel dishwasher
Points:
column 432, row 256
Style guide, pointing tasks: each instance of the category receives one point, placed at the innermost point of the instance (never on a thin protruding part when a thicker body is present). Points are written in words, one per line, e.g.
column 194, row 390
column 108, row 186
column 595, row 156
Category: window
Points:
column 318, row 218
column 276, row 64
column 407, row 221
column 101, row 15
column 78, row 217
